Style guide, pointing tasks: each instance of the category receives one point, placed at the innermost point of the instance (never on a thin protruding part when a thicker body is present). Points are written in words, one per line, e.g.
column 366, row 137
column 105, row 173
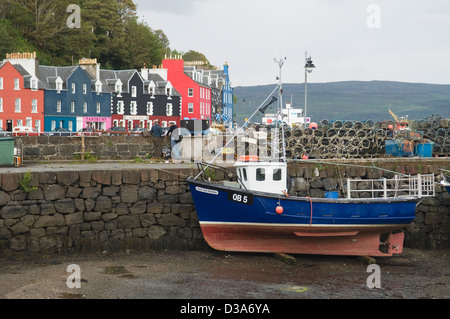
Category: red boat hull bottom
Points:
column 270, row 239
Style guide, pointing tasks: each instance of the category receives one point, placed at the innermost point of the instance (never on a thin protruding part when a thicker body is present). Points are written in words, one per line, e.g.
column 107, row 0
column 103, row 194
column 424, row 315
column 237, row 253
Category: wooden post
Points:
column 83, row 147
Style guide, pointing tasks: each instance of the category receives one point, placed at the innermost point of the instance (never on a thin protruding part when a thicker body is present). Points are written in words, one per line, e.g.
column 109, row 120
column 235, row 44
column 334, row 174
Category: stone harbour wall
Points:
column 45, row 148
column 145, row 208
column 97, row 210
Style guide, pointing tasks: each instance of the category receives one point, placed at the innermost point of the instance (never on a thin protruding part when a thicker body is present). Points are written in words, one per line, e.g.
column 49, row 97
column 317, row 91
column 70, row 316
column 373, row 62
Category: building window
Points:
column 73, row 88
column 33, row 106
column 1, row 83
column 85, row 107
column 118, row 88
column 58, row 106
column 72, row 107
column 19, row 123
column 120, row 108
column 53, row 125
column 37, row 125
column 59, row 85
column 190, row 107
column 133, row 91
column 84, row 88
column 151, row 89
column 70, row 128
column 169, row 109
column 149, row 108
column 1, row 104
column 18, row 106
column 98, row 107
column 190, row 92
column 28, row 122
column 34, row 84
column 16, row 84
column 133, row 107
column 98, row 88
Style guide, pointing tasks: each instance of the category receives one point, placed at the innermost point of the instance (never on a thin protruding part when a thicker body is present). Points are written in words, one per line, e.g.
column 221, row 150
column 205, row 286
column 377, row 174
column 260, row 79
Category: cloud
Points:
column 410, row 45
column 179, row 7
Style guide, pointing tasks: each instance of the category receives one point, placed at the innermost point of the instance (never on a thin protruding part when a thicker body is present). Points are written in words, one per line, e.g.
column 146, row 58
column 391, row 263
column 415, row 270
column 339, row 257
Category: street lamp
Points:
column 309, row 66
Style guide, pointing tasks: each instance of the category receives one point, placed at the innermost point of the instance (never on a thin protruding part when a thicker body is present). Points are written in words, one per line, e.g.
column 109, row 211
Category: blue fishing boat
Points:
column 255, row 214
column 251, row 211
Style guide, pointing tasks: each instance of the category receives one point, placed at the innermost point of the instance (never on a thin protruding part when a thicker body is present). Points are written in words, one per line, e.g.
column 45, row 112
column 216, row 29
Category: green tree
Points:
column 110, row 31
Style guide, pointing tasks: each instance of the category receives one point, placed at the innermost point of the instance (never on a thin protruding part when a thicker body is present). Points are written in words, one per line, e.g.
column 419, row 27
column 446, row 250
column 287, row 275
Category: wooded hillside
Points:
column 109, row 31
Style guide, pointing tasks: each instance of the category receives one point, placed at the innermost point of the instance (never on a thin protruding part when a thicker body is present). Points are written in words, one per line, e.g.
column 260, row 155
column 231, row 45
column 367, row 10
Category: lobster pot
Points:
column 331, row 132
column 337, row 124
column 297, row 132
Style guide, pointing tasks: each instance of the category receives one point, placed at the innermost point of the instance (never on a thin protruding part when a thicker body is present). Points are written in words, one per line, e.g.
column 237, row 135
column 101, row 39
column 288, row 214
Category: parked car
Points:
column 60, row 131
column 87, row 131
column 24, row 130
column 117, row 129
column 4, row 133
column 138, row 131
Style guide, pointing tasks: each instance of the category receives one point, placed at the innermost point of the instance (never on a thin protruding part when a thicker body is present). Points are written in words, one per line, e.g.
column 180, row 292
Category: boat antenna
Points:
column 280, row 63
column 241, row 129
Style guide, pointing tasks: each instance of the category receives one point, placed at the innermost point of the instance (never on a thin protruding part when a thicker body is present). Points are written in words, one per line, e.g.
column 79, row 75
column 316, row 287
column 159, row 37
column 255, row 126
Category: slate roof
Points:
column 49, row 74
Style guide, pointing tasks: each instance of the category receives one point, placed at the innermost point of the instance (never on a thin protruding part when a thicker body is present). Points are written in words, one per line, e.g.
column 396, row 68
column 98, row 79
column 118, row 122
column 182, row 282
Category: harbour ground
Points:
column 209, row 274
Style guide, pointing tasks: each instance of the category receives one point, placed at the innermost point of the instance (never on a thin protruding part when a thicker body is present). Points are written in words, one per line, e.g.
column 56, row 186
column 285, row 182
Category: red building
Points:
column 196, row 96
column 21, row 100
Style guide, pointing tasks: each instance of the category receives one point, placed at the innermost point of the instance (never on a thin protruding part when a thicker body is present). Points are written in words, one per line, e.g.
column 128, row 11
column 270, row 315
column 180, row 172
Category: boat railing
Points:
column 207, row 171
column 417, row 186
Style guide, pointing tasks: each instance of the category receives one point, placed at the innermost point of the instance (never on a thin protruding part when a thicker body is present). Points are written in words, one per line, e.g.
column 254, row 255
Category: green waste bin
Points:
column 6, row 151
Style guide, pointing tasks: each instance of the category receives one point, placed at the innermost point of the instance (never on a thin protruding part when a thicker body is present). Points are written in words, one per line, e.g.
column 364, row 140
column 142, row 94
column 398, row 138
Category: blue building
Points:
column 227, row 97
column 75, row 97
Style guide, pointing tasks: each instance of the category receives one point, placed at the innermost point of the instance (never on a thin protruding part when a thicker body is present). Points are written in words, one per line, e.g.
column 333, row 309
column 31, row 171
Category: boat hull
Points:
column 237, row 220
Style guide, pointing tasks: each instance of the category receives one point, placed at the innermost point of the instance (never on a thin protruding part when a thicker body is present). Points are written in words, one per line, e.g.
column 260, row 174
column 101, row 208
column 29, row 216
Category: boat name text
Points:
column 206, row 190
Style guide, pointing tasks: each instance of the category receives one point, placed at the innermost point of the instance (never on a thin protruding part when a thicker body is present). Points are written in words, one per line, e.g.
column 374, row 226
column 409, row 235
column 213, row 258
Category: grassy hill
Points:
column 352, row 100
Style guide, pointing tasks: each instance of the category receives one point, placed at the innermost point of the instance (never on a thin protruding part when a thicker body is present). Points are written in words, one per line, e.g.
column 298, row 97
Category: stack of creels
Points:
column 356, row 139
column 337, row 139
column 436, row 129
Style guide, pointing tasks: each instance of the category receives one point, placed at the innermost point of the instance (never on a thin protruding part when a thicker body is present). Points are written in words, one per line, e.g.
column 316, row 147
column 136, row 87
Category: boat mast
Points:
column 280, row 106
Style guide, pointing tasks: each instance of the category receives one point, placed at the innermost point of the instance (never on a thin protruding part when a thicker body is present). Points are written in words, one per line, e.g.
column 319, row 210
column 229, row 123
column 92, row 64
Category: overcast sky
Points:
column 396, row 40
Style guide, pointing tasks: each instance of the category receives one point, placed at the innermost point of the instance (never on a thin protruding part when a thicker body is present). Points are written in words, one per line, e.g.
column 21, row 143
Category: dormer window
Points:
column 151, row 89
column 59, row 84
column 34, row 83
column 118, row 87
column 98, row 87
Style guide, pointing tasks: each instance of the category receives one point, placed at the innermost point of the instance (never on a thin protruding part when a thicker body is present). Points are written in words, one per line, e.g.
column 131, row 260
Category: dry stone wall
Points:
column 97, row 210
